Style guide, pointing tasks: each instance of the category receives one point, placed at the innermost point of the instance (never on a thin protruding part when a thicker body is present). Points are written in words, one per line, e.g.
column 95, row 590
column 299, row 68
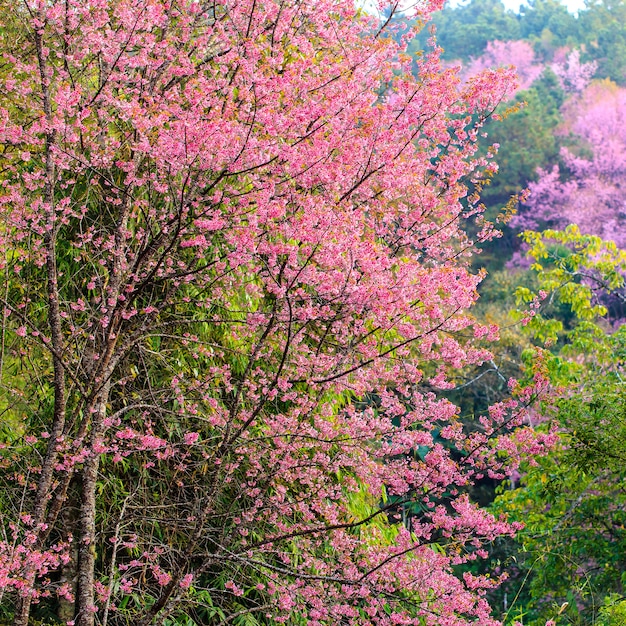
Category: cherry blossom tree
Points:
column 573, row 75
column 518, row 54
column 588, row 189
column 233, row 281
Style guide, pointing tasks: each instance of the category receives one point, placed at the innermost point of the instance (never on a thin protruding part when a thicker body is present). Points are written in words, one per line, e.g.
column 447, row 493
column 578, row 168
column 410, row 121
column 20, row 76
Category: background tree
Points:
column 465, row 30
column 498, row 53
column 547, row 24
column 587, row 190
column 602, row 29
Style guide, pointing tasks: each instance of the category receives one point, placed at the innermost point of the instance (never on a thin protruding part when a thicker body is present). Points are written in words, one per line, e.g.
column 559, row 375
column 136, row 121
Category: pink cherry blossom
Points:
column 238, row 241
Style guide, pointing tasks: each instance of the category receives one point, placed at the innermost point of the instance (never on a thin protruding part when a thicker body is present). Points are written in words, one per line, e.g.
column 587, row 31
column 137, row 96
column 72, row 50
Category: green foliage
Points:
column 548, row 24
column 613, row 611
column 604, row 37
column 464, row 30
column 574, row 270
column 527, row 139
column 570, row 562
column 572, row 546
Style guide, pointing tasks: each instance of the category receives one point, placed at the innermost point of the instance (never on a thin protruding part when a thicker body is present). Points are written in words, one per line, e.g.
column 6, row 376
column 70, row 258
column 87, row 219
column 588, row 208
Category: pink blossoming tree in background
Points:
column 589, row 189
column 518, row 54
column 233, row 277
column 573, row 75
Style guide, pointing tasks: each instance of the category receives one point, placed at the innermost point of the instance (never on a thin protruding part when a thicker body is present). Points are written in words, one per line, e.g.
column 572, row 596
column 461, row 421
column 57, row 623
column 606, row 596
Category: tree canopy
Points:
column 235, row 278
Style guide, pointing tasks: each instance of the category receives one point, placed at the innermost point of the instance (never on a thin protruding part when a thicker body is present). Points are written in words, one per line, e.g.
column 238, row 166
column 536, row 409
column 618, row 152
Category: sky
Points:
column 572, row 5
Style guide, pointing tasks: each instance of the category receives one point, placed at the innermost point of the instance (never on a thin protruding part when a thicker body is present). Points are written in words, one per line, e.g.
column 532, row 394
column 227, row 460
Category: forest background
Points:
column 215, row 414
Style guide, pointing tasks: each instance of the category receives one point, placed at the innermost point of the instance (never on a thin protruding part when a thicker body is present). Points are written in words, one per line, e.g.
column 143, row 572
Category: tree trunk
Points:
column 68, row 520
column 85, row 582
column 85, row 606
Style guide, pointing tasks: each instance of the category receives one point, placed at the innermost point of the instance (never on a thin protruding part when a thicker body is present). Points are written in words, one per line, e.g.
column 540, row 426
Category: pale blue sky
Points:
column 572, row 5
